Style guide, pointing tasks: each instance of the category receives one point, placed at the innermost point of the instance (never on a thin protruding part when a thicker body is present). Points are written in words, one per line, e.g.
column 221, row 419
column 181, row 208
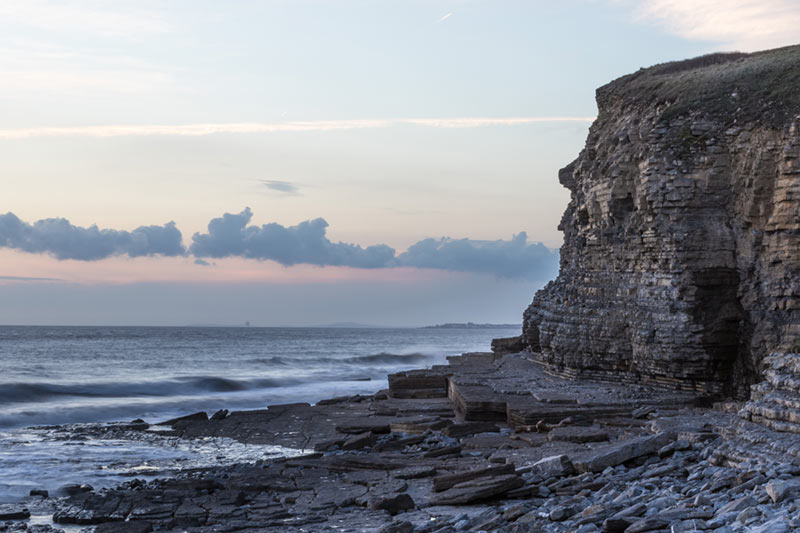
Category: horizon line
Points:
column 203, row 129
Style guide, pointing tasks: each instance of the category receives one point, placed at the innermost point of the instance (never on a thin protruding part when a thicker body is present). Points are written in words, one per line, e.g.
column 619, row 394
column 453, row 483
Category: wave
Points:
column 384, row 358
column 43, row 391
column 381, row 358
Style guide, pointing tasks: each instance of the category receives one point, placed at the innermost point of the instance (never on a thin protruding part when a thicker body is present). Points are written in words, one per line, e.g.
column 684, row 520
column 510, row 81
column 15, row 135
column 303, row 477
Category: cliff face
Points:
column 681, row 255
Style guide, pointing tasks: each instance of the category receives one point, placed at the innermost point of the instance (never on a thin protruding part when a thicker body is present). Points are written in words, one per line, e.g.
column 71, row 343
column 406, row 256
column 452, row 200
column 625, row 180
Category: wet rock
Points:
column 13, row 512
column 219, row 415
column 74, row 488
column 194, row 417
column 40, row 492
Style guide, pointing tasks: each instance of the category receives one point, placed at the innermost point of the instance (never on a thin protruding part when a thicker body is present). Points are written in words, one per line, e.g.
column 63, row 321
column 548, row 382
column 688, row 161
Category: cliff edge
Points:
column 681, row 257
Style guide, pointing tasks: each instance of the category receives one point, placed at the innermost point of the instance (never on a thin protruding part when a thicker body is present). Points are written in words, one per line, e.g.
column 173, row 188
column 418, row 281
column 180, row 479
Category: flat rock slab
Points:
column 477, row 490
column 448, row 481
column 578, row 434
column 618, row 453
column 470, row 428
column 13, row 512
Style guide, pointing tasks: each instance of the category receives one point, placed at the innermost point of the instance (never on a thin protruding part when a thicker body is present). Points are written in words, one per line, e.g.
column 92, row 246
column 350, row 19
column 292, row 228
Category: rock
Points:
column 508, row 345
column 554, row 466
column 40, row 492
column 418, row 384
column 560, row 513
column 776, row 525
column 651, row 523
column 73, row 488
column 398, row 527
column 737, row 505
column 642, row 412
column 578, row 434
column 415, row 472
column 13, row 512
column 441, row 452
column 328, row 445
column 202, row 416
column 616, row 525
column 477, row 489
column 364, row 426
column 446, row 481
column 470, row 428
column 393, row 504
column 124, row 527
column 631, row 512
column 618, row 453
column 362, row 440
column 219, row 415
column 779, row 489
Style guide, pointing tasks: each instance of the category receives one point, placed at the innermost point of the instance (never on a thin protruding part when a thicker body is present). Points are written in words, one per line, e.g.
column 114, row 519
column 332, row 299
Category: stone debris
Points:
column 684, row 469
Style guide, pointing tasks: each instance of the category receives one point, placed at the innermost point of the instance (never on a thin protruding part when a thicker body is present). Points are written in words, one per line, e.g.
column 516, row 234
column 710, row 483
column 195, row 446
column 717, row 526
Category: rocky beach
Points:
column 655, row 386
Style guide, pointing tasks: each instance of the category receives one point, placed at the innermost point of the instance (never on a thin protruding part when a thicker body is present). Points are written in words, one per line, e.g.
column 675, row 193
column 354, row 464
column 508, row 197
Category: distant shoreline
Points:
column 472, row 325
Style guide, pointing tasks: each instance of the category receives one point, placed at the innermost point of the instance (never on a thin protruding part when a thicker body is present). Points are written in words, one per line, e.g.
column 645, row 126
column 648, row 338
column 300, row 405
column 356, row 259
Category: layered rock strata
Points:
column 775, row 402
column 681, row 257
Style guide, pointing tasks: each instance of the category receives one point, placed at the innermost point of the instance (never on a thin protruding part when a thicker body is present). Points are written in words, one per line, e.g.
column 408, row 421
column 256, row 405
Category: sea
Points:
column 56, row 378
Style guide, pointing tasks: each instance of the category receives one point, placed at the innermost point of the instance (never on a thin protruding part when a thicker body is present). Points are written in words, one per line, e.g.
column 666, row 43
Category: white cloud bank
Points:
column 742, row 25
column 196, row 130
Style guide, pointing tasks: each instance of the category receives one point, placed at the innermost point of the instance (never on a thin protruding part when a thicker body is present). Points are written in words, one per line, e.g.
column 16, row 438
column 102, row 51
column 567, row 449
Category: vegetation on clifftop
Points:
column 763, row 87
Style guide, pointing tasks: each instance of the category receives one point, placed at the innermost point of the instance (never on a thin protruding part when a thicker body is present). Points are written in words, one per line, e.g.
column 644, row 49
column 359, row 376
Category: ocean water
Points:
column 73, row 375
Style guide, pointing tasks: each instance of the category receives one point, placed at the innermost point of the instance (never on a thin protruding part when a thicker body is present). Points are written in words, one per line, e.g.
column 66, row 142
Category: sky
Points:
column 298, row 162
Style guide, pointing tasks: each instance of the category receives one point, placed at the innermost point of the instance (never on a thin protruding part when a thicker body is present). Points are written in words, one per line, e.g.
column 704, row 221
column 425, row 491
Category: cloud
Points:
column 515, row 258
column 283, row 187
column 306, row 243
column 196, row 130
column 744, row 25
column 230, row 236
column 445, row 17
column 59, row 238
column 27, row 278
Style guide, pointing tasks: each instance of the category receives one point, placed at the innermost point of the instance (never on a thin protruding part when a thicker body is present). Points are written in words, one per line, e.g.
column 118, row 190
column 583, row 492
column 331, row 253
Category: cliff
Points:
column 681, row 257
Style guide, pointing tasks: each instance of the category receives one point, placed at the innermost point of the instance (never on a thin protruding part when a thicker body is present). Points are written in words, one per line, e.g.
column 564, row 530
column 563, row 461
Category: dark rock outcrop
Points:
column 681, row 257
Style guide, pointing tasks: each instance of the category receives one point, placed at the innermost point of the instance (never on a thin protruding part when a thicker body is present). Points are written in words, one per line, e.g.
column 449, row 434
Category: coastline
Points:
column 471, row 445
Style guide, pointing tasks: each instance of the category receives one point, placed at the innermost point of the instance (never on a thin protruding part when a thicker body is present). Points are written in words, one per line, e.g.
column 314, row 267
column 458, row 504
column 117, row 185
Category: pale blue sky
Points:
column 127, row 114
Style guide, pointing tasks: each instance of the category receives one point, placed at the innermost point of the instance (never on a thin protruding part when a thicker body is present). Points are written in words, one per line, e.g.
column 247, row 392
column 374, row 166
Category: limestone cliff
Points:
column 681, row 255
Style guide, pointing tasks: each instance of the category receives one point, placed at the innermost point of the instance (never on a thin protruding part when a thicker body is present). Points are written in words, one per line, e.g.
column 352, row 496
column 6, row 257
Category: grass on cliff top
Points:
column 763, row 87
